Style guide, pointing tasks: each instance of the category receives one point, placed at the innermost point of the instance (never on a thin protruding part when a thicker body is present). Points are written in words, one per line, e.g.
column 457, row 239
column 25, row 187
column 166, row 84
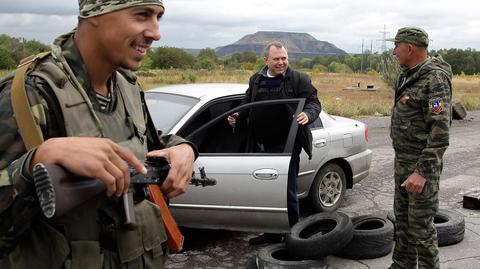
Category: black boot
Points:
column 266, row 238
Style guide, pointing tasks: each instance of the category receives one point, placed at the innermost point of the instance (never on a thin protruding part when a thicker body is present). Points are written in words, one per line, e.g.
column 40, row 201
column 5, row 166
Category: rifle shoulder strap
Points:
column 174, row 235
column 152, row 132
column 29, row 130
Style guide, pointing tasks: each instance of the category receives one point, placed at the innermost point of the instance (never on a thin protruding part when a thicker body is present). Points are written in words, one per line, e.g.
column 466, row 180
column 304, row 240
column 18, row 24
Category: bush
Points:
column 335, row 67
column 389, row 68
column 7, row 60
column 205, row 63
column 189, row 76
column 167, row 57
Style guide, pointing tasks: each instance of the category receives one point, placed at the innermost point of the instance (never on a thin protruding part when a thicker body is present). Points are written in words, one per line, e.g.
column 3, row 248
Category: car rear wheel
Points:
column 328, row 188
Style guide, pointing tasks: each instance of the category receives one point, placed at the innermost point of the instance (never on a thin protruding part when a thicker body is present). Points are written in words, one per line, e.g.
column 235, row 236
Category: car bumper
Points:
column 360, row 164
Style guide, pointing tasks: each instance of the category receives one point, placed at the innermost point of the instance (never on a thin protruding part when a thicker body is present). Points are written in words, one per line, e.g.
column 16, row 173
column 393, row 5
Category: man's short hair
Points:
column 275, row 44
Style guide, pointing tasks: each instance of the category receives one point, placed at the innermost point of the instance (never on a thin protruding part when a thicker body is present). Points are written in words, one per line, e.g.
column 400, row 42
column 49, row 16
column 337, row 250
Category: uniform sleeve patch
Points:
column 437, row 105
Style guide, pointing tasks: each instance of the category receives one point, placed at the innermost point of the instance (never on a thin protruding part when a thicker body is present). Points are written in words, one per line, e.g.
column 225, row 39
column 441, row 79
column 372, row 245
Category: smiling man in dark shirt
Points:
column 269, row 126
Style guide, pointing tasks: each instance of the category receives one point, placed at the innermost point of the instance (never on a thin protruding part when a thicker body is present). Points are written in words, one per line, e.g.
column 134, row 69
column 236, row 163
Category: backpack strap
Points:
column 29, row 130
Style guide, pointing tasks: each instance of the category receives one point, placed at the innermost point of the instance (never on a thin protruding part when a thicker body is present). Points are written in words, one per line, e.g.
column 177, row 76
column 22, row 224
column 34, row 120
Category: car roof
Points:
column 203, row 90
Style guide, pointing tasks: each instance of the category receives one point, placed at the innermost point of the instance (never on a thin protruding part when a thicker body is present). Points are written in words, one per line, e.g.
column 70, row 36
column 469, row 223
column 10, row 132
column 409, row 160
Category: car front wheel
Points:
column 328, row 188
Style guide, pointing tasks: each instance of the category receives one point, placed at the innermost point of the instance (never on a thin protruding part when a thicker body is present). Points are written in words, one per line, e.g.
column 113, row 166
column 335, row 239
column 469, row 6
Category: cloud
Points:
column 43, row 7
column 213, row 23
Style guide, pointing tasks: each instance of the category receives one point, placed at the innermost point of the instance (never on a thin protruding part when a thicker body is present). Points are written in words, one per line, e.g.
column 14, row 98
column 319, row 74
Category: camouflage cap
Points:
column 91, row 8
column 413, row 35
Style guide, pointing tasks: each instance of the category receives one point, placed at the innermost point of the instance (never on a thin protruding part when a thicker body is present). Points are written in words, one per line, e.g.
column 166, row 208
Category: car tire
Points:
column 372, row 238
column 450, row 226
column 319, row 235
column 328, row 188
column 277, row 256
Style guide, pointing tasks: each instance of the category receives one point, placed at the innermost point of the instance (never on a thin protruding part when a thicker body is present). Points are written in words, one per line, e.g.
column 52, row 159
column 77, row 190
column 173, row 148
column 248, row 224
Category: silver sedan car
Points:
column 250, row 193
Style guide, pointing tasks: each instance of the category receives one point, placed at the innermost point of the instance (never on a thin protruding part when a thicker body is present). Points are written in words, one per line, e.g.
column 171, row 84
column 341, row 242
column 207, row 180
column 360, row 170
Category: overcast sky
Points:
column 214, row 23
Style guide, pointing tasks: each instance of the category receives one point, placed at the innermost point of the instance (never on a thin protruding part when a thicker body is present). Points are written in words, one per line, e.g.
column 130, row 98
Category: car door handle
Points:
column 320, row 143
column 266, row 174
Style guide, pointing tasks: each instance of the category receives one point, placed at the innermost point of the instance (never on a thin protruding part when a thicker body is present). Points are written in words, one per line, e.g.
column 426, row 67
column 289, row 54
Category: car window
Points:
column 220, row 137
column 167, row 109
column 317, row 124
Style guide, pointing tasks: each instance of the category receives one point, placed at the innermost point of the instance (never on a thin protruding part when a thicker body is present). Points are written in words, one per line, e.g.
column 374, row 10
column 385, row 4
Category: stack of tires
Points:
column 309, row 242
column 362, row 237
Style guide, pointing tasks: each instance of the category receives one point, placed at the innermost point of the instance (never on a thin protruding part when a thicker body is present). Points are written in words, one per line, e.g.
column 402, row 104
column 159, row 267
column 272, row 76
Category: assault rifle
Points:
column 59, row 191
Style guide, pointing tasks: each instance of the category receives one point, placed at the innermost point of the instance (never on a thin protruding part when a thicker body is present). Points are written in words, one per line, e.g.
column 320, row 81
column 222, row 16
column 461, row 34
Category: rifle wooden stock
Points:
column 175, row 237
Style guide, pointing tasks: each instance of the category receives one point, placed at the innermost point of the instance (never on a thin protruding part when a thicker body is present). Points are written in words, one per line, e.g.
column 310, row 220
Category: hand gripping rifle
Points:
column 59, row 191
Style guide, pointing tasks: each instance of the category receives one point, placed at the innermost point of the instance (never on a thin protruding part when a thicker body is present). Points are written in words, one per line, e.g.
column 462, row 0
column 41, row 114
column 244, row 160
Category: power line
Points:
column 384, row 39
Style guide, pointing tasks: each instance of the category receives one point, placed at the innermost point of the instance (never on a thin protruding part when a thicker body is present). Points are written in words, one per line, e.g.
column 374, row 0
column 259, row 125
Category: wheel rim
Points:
column 330, row 189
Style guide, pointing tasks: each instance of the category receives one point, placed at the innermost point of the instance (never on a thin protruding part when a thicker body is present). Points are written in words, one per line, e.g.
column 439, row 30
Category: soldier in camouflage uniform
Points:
column 421, row 118
column 90, row 110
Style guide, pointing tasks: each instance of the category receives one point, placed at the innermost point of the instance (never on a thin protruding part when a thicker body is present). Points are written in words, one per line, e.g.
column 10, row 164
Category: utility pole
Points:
column 371, row 53
column 384, row 39
column 361, row 60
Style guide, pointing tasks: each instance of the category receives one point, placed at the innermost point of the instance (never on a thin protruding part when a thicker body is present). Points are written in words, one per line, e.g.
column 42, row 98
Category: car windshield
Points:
column 167, row 109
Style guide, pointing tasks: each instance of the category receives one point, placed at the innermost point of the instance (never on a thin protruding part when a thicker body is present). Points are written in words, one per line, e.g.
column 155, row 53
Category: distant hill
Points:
column 299, row 45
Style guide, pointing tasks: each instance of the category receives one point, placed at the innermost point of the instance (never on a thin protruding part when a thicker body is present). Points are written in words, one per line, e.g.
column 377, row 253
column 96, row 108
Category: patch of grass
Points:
column 331, row 88
column 338, row 100
column 466, row 89
column 3, row 73
column 179, row 76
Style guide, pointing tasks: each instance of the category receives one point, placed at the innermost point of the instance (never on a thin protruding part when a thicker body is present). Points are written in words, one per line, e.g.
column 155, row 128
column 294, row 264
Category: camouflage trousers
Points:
column 415, row 233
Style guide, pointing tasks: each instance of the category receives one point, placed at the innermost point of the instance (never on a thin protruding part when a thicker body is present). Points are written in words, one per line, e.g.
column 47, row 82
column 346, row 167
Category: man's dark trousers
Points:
column 292, row 198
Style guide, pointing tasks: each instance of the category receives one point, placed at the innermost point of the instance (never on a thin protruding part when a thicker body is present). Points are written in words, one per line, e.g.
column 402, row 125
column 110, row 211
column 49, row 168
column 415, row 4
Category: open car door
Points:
column 250, row 193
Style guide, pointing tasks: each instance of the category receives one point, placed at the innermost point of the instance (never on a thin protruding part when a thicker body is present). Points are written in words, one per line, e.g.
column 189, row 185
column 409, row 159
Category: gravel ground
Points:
column 225, row 249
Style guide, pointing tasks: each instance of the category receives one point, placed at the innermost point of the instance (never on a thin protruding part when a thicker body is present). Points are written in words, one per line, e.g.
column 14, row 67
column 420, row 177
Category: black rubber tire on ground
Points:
column 328, row 188
column 449, row 223
column 277, row 256
column 319, row 235
column 391, row 216
column 450, row 227
column 372, row 238
column 458, row 112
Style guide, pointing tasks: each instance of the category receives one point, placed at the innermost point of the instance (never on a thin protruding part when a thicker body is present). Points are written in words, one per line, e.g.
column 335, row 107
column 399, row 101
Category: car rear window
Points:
column 167, row 109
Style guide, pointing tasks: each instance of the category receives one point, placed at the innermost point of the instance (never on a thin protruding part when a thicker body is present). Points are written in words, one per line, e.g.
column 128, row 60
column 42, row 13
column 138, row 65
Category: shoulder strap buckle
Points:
column 33, row 58
column 27, row 127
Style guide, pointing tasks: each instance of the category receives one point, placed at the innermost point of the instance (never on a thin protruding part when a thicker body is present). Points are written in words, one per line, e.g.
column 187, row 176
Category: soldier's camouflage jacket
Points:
column 421, row 115
column 18, row 206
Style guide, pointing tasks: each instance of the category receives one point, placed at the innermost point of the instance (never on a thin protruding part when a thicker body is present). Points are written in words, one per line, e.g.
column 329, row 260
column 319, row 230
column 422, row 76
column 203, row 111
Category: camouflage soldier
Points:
column 90, row 109
column 421, row 118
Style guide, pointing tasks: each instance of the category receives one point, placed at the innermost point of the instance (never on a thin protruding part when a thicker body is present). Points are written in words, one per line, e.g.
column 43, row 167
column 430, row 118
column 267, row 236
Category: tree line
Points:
column 467, row 61
column 12, row 50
